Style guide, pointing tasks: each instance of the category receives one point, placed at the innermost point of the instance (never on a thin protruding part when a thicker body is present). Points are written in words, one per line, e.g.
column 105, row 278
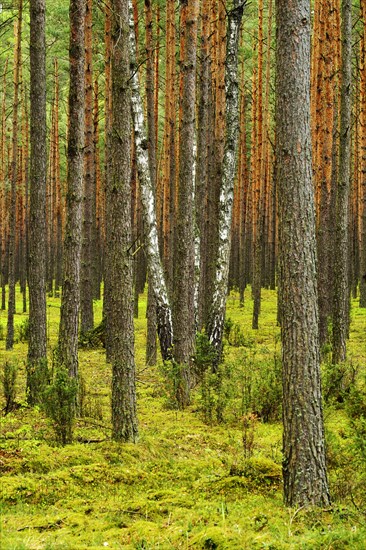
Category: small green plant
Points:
column 9, row 386
column 204, row 357
column 356, row 410
column 249, row 424
column 81, row 397
column 215, row 394
column 23, row 331
column 338, row 381
column 94, row 338
column 258, row 386
column 171, row 375
column 93, row 408
column 228, row 326
column 38, row 378
column 60, row 404
column 2, row 332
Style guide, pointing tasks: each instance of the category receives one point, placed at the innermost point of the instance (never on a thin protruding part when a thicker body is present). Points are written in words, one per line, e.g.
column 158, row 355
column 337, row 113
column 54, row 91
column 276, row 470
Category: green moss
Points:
column 185, row 484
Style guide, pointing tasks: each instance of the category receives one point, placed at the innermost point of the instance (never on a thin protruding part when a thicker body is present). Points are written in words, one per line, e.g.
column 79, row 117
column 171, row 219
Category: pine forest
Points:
column 182, row 274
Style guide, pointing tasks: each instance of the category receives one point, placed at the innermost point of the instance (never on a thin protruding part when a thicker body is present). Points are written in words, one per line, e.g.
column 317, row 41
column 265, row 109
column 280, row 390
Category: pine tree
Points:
column 304, row 471
column 37, row 350
column 70, row 300
column 119, row 321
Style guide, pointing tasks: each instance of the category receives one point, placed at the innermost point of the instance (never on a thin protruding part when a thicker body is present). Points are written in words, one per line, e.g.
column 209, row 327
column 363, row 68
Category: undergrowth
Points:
column 206, row 477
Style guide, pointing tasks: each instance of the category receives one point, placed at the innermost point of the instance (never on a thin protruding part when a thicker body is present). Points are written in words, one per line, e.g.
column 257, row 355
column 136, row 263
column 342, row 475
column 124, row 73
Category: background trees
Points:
column 208, row 149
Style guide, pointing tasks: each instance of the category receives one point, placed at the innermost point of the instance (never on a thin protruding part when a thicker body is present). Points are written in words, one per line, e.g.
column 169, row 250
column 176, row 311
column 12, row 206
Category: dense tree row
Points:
column 168, row 165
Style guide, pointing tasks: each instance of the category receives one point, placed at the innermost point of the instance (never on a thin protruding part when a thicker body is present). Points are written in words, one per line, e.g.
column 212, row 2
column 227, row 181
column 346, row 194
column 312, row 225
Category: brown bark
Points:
column 14, row 177
column 70, row 301
column 362, row 159
column 183, row 309
column 258, row 175
column 37, row 349
column 3, row 170
column 119, row 321
column 88, row 239
column 305, row 480
column 99, row 197
column 151, row 348
column 341, row 279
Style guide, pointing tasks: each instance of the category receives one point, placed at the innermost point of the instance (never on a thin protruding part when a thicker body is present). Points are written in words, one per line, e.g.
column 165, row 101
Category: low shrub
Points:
column 60, row 404
column 9, row 386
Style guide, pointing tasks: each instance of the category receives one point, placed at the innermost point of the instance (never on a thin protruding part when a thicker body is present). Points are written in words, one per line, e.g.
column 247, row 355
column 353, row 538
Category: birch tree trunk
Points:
column 304, row 471
column 37, row 349
column 70, row 300
column 155, row 270
column 341, row 283
column 217, row 314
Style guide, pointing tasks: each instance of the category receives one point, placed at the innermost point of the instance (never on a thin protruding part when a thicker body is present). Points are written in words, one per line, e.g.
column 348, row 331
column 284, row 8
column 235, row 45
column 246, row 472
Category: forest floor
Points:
column 190, row 481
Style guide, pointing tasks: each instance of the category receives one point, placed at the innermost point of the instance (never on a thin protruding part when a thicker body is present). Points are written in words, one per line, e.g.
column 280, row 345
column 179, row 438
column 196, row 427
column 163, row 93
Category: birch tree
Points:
column 155, row 270
column 217, row 314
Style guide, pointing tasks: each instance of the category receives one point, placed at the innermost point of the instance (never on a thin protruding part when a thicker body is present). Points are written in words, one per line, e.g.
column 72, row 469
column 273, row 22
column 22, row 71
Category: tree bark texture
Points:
column 341, row 282
column 70, row 301
column 37, row 349
column 215, row 324
column 184, row 264
column 88, row 267
column 3, row 217
column 304, row 471
column 119, row 321
column 14, row 179
column 152, row 149
column 362, row 160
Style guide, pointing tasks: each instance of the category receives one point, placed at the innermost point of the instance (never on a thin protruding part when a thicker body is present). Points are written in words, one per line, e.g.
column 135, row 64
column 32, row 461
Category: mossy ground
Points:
column 186, row 483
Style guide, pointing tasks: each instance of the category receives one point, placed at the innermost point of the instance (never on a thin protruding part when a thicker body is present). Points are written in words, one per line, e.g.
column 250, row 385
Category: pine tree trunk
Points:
column 3, row 223
column 14, row 178
column 70, row 301
column 258, row 175
column 184, row 254
column 201, row 185
column 152, row 149
column 37, row 350
column 119, row 321
column 58, row 254
column 363, row 159
column 99, row 203
column 341, row 282
column 88, row 239
column 304, row 471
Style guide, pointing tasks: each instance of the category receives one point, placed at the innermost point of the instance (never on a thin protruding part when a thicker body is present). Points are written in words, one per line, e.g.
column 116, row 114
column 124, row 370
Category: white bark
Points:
column 217, row 314
column 155, row 269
